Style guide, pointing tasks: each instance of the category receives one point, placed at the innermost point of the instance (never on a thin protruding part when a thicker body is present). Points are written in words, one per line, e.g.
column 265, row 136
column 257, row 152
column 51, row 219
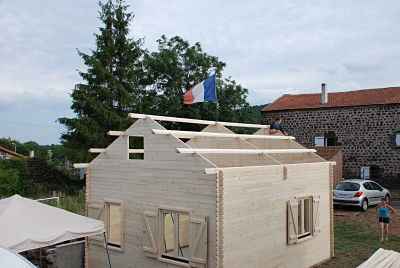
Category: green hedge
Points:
column 35, row 178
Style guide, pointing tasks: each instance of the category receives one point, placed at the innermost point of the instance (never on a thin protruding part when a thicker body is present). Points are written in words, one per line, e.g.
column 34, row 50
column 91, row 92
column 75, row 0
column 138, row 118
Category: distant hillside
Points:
column 261, row 106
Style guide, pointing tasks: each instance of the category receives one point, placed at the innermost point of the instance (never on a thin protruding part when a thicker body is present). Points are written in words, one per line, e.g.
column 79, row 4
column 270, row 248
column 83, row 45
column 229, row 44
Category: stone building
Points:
column 365, row 123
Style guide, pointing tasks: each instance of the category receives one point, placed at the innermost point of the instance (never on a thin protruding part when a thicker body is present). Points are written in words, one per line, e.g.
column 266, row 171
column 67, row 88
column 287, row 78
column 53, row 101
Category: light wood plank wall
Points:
column 163, row 179
column 254, row 213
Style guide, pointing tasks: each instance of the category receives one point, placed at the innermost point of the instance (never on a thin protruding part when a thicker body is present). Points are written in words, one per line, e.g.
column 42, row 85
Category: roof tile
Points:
column 363, row 97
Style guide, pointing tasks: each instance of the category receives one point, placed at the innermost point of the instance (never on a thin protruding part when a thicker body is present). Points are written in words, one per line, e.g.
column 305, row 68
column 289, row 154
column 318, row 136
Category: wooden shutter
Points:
column 150, row 245
column 292, row 221
column 198, row 235
column 316, row 214
column 95, row 210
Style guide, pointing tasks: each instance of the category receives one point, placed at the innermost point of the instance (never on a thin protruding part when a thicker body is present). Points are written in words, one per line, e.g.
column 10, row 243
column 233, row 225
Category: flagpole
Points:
column 214, row 71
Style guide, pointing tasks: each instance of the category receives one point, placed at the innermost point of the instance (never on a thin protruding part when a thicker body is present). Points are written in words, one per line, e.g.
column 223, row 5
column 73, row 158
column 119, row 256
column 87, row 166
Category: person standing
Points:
column 384, row 210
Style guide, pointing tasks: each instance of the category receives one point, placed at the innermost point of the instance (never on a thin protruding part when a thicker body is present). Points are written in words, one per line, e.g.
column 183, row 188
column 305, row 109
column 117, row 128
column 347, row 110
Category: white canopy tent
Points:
column 27, row 224
column 12, row 260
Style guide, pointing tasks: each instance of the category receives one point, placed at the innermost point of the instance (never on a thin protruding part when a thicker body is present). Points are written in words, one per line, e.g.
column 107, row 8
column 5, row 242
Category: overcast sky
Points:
column 270, row 47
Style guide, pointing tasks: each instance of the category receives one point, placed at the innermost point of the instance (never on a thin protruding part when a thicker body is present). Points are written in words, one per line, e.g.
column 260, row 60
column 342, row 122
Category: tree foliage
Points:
column 11, row 182
column 53, row 153
column 112, row 84
column 176, row 67
column 35, row 178
column 122, row 77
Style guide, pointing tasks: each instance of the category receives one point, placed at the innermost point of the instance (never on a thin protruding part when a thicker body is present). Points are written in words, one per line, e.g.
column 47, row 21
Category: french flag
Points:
column 202, row 92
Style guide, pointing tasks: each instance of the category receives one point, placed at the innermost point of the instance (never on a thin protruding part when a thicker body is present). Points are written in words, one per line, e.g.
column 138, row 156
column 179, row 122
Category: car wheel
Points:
column 387, row 199
column 364, row 205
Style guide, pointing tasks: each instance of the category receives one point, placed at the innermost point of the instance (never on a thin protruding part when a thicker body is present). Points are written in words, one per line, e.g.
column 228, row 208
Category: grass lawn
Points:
column 356, row 242
column 74, row 202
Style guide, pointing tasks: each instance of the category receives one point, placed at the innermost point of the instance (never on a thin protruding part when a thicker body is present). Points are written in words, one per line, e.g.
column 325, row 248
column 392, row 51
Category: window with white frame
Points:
column 175, row 235
column 136, row 147
column 320, row 141
column 113, row 223
column 302, row 218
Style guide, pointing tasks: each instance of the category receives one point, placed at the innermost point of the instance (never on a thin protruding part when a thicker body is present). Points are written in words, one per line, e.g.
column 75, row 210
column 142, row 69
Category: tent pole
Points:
column 106, row 246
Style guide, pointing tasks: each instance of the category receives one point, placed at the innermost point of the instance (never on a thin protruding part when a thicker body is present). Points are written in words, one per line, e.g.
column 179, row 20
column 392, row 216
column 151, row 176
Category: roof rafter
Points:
column 81, row 165
column 97, row 150
column 115, row 133
column 194, row 121
column 192, row 134
column 243, row 151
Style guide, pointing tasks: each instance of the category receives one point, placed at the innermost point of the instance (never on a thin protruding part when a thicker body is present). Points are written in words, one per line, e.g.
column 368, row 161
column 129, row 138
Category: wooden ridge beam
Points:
column 192, row 134
column 194, row 121
column 243, row 151
column 97, row 150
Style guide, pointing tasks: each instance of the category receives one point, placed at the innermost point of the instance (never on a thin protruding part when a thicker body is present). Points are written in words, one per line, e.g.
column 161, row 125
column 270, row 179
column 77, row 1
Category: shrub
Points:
column 10, row 182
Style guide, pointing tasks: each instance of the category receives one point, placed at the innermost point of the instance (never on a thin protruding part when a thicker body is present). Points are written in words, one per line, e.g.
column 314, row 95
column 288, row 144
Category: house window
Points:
column 331, row 139
column 364, row 173
column 375, row 171
column 136, row 147
column 175, row 236
column 397, row 139
column 302, row 218
column 320, row 141
column 168, row 239
column 113, row 222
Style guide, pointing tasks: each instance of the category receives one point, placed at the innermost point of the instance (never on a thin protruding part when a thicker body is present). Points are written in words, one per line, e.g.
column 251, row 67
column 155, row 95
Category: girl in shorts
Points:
column 384, row 210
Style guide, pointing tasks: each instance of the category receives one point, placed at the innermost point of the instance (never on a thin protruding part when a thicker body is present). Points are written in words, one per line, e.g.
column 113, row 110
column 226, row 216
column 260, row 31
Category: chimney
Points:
column 324, row 94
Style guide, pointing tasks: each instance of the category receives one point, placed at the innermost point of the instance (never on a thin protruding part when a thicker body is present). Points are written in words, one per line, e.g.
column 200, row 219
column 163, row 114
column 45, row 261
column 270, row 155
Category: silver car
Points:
column 360, row 193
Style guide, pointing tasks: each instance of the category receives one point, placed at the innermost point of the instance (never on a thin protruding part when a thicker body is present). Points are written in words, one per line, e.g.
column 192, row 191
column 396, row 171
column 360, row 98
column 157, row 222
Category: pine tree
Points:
column 112, row 84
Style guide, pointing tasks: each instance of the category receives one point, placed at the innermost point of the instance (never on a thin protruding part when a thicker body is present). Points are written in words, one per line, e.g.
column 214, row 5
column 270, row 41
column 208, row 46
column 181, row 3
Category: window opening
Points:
column 136, row 147
column 304, row 217
column 114, row 224
column 175, row 235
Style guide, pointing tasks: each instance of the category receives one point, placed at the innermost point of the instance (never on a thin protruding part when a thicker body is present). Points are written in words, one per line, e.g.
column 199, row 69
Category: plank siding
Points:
column 163, row 179
column 254, row 213
column 245, row 201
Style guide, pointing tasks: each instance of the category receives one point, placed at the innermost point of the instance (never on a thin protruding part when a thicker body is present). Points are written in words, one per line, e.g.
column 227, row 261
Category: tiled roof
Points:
column 363, row 97
column 4, row 149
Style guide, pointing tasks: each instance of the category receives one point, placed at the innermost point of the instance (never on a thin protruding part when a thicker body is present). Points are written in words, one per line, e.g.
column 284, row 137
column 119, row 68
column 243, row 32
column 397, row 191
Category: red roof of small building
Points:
column 8, row 151
column 363, row 97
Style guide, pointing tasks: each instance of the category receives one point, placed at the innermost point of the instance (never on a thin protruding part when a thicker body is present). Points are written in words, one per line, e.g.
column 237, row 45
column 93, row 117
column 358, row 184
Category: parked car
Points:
column 360, row 193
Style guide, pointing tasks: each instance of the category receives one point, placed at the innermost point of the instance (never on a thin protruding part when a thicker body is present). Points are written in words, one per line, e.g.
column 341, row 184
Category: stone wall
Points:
column 366, row 134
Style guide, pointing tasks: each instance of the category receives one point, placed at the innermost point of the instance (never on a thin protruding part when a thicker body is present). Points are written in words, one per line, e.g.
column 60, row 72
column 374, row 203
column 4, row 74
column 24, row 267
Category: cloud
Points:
column 270, row 47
